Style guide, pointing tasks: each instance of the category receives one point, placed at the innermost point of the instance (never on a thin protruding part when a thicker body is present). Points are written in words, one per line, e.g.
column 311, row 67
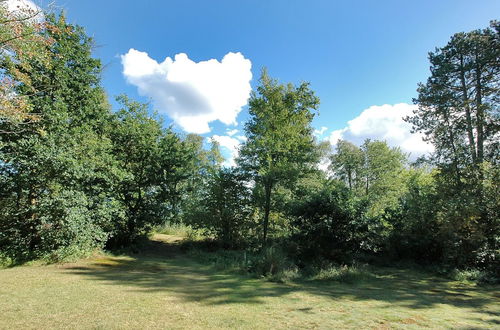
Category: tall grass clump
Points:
column 177, row 229
column 342, row 273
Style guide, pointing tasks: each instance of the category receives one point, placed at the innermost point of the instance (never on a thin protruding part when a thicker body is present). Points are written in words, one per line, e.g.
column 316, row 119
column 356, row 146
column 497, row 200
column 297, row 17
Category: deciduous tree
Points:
column 280, row 141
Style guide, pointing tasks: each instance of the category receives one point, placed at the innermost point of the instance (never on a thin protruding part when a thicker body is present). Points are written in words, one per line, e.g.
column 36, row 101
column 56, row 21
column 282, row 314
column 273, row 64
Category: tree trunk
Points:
column 34, row 237
column 453, row 148
column 465, row 97
column 480, row 115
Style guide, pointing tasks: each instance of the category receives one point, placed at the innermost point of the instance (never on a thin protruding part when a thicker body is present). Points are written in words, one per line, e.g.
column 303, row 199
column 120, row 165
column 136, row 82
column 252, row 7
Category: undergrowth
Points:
column 343, row 273
column 274, row 265
column 474, row 276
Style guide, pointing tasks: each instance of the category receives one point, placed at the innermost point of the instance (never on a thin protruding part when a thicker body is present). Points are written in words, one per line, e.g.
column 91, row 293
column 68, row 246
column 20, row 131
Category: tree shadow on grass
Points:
column 408, row 288
column 164, row 267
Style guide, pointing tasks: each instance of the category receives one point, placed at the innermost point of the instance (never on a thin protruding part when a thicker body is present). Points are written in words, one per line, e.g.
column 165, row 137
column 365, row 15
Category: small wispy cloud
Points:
column 321, row 131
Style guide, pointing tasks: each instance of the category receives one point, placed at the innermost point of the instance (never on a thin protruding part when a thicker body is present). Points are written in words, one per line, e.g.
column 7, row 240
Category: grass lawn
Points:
column 164, row 288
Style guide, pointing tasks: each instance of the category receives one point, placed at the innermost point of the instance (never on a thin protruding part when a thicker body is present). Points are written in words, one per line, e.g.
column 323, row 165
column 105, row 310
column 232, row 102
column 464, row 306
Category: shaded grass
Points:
column 162, row 287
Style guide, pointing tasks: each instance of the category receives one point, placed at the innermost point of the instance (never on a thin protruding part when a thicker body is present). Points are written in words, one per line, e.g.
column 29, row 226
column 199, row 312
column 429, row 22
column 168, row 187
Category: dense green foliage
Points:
column 280, row 144
column 329, row 224
column 53, row 181
column 81, row 176
column 154, row 163
column 76, row 176
column 224, row 210
column 458, row 111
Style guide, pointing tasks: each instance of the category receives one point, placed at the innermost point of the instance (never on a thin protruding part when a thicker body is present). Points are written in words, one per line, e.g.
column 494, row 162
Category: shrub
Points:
column 343, row 274
column 269, row 262
column 5, row 261
column 286, row 275
column 474, row 275
column 221, row 259
column 64, row 225
column 328, row 224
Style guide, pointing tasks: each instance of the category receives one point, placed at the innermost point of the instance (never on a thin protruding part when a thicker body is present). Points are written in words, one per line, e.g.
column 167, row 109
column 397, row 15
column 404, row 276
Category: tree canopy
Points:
column 77, row 174
column 280, row 142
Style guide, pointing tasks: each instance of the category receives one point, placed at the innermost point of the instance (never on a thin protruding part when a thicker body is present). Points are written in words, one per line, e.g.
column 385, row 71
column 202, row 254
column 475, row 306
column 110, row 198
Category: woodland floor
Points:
column 163, row 287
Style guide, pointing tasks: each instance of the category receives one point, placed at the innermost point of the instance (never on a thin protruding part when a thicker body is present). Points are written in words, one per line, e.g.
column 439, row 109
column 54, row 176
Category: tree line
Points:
column 77, row 175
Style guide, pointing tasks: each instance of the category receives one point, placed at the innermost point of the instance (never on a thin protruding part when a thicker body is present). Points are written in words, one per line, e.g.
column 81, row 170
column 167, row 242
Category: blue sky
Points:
column 355, row 54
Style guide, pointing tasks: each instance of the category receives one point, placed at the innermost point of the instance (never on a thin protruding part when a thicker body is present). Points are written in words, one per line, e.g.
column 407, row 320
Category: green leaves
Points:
column 224, row 209
column 279, row 132
column 373, row 171
column 156, row 164
column 83, row 176
column 280, row 142
column 458, row 105
column 458, row 110
column 348, row 163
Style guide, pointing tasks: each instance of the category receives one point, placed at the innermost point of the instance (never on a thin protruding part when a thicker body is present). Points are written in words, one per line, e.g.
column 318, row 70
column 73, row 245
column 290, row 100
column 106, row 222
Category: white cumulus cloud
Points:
column 192, row 93
column 230, row 146
column 384, row 122
column 231, row 132
column 321, row 131
column 242, row 138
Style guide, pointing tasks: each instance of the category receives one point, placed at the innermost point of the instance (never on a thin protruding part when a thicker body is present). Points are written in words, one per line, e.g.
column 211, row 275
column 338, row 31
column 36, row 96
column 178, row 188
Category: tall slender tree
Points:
column 280, row 141
column 458, row 107
column 347, row 163
column 459, row 113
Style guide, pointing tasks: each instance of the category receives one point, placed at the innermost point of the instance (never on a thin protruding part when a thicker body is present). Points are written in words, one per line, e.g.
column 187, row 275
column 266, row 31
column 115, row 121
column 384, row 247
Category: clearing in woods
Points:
column 162, row 287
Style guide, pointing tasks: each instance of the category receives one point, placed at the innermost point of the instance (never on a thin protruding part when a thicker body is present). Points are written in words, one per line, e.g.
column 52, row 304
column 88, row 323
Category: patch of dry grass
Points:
column 164, row 288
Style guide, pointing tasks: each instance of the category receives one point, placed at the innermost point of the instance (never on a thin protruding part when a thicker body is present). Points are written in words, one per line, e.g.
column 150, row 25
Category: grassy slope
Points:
column 161, row 288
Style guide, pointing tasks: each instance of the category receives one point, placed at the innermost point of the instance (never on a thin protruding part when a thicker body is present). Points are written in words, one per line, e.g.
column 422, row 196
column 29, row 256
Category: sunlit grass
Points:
column 179, row 230
column 165, row 288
